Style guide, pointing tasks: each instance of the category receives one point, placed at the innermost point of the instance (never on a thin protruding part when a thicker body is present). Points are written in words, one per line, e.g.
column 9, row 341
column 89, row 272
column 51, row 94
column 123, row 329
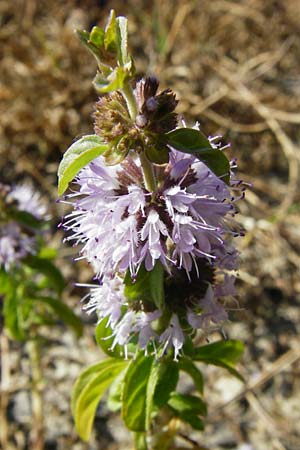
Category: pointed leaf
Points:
column 121, row 35
column 81, row 153
column 110, row 39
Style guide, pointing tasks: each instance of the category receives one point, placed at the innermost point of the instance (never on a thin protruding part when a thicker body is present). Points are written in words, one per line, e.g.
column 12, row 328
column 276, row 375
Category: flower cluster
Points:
column 17, row 239
column 185, row 224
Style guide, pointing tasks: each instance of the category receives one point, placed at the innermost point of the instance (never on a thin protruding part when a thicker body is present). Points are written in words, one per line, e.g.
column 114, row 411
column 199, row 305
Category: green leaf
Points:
column 192, row 420
column 104, row 339
column 163, row 380
column 110, row 39
column 12, row 311
column 63, row 312
column 26, row 219
column 47, row 253
column 157, row 154
column 6, row 282
column 187, row 408
column 121, row 37
column 148, row 285
column 45, row 267
column 223, row 353
column 96, row 37
column 186, row 365
column 114, row 400
column 88, row 391
column 113, row 82
column 134, row 394
column 81, row 153
column 189, row 140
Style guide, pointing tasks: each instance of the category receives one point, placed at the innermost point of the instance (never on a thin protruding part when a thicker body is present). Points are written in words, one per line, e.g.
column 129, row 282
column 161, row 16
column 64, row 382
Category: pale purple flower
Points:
column 211, row 311
column 121, row 224
column 173, row 336
column 28, row 200
column 14, row 245
column 107, row 300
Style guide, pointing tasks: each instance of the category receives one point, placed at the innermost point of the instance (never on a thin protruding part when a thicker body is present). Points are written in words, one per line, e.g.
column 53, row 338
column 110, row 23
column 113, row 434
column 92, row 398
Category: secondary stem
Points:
column 37, row 433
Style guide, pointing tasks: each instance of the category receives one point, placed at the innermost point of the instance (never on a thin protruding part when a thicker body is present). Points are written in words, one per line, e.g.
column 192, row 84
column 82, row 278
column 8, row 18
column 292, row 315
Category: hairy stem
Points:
column 37, row 432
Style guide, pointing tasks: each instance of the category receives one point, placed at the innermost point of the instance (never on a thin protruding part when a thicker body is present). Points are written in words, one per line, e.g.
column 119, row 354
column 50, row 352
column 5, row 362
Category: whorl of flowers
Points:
column 182, row 221
column 17, row 237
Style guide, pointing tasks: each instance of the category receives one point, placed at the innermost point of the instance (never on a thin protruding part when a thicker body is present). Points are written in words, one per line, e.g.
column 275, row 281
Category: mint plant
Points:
column 153, row 211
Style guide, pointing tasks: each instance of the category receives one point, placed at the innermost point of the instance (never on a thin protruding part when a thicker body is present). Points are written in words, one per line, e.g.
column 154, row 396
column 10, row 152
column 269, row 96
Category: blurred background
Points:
column 235, row 67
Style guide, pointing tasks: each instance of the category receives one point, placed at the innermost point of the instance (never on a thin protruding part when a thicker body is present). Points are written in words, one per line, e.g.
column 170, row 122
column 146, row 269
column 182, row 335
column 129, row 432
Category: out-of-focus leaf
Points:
column 26, row 219
column 13, row 310
column 81, row 153
column 188, row 408
column 45, row 267
column 63, row 312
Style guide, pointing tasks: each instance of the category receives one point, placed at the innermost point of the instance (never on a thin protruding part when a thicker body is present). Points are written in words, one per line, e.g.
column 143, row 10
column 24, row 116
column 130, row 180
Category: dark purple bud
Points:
column 151, row 104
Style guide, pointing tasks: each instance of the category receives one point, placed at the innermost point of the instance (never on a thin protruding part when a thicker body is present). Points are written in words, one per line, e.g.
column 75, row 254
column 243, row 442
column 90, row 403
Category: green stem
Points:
column 140, row 442
column 37, row 432
column 147, row 167
column 148, row 173
column 130, row 100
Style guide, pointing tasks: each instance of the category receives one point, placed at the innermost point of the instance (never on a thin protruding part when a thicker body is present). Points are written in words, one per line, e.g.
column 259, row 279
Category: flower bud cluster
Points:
column 154, row 119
